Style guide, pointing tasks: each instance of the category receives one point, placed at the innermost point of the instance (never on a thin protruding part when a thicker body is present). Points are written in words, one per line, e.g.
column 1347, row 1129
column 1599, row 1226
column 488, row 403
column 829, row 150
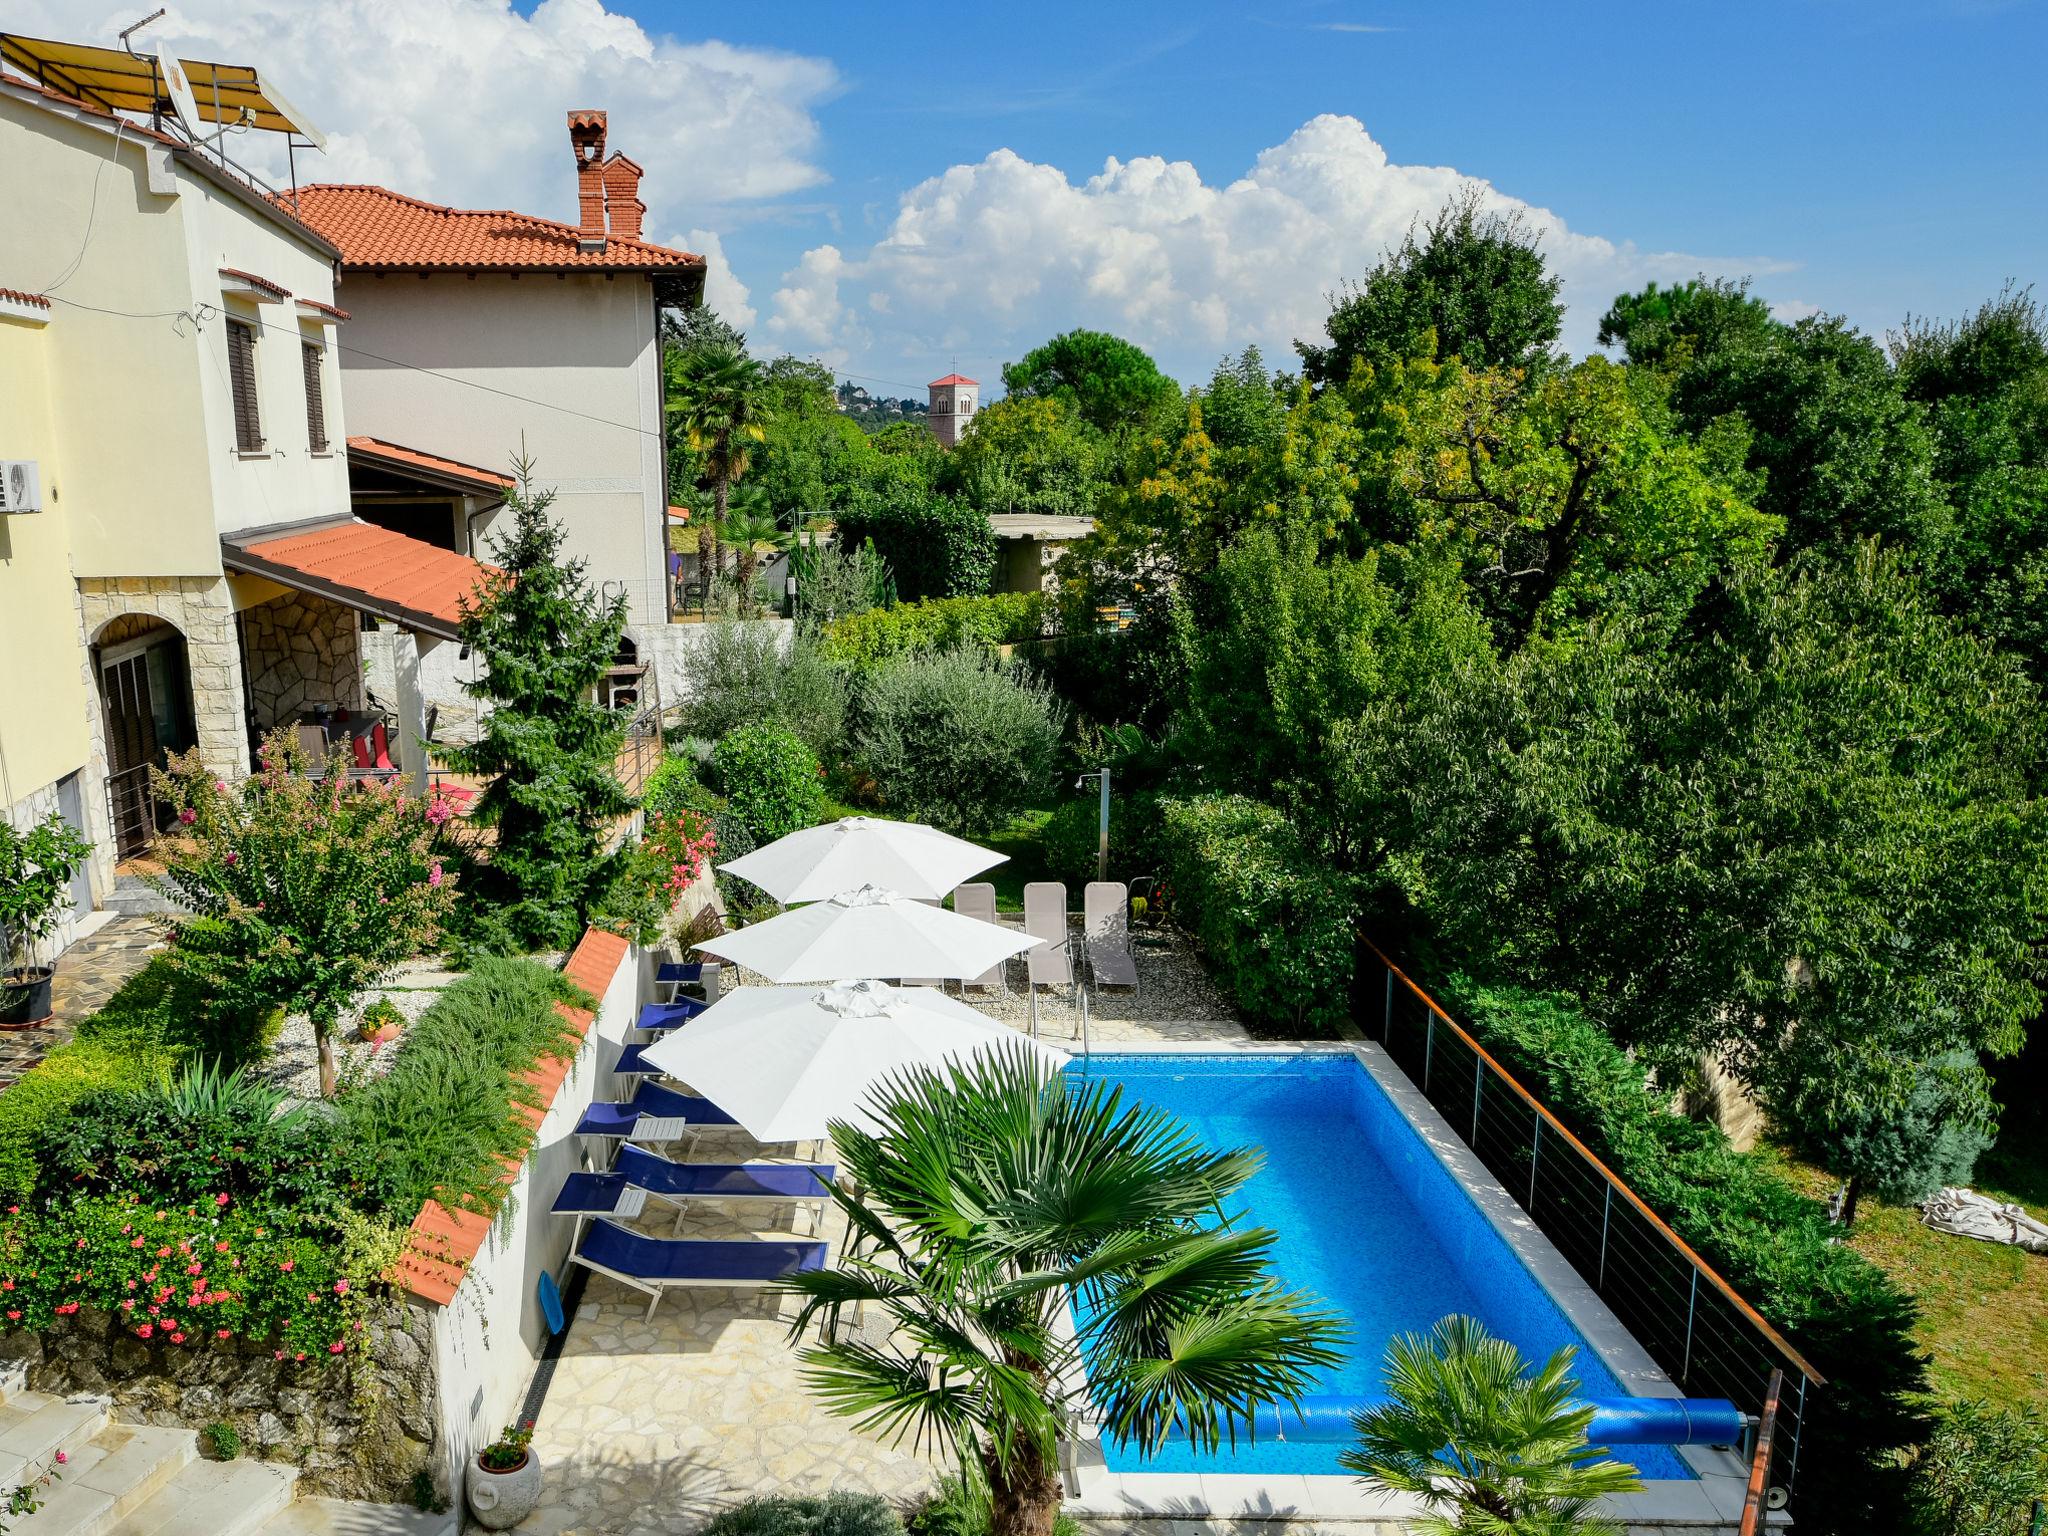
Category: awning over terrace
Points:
column 427, row 468
column 414, row 584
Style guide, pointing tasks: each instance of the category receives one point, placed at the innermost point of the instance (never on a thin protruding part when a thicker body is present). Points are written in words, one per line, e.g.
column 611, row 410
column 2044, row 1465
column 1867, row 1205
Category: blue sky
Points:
column 899, row 189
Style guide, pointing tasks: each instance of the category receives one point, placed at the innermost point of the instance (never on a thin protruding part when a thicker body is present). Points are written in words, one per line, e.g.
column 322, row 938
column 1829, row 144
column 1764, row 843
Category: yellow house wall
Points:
column 43, row 719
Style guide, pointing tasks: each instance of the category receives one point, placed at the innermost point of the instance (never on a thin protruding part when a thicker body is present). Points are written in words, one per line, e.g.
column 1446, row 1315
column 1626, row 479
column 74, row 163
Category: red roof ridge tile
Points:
column 443, row 1241
column 261, row 282
column 21, row 296
column 569, row 235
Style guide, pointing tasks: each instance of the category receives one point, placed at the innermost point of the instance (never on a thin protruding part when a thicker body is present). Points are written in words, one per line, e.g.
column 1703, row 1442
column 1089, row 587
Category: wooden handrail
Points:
column 1662, row 1227
column 1753, row 1500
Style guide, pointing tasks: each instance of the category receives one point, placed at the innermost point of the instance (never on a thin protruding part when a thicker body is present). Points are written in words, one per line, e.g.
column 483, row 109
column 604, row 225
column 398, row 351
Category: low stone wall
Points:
column 356, row 1431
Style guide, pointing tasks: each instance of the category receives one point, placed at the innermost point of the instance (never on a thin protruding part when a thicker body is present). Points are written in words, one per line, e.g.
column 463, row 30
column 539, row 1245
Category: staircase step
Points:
column 343, row 1517
column 113, row 1474
column 35, row 1426
column 213, row 1498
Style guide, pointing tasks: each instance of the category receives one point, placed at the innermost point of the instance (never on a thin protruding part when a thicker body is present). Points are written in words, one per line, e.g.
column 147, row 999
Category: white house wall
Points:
column 562, row 369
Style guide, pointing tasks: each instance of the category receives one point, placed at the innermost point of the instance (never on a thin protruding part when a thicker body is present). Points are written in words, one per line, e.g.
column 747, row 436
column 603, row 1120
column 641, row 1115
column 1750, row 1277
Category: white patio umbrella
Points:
column 783, row 1061
column 820, row 862
column 868, row 932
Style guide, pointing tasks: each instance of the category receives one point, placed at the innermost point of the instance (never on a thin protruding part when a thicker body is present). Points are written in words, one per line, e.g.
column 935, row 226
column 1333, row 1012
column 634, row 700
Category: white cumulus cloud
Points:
column 987, row 259
column 463, row 101
column 724, row 294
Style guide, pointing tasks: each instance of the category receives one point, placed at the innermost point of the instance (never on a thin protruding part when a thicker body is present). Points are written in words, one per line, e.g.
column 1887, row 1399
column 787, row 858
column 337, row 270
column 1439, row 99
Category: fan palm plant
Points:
column 999, row 1201
column 749, row 529
column 717, row 403
column 1472, row 1430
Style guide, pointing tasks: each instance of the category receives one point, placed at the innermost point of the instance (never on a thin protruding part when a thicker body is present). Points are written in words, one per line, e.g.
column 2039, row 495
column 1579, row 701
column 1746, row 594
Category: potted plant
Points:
column 36, row 867
column 380, row 1023
column 504, row 1480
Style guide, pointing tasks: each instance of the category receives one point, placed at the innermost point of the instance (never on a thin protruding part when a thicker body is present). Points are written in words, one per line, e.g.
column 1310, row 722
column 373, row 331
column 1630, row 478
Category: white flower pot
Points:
column 500, row 1500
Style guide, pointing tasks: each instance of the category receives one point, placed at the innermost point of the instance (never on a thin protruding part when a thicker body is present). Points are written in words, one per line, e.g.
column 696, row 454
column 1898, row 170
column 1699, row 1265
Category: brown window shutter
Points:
column 316, row 405
column 242, row 379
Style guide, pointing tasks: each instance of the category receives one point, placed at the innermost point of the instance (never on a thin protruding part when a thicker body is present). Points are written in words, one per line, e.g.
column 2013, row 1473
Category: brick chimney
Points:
column 623, row 208
column 586, row 138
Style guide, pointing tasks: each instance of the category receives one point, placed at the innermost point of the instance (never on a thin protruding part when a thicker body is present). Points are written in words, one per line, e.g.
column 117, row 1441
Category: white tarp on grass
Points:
column 1969, row 1214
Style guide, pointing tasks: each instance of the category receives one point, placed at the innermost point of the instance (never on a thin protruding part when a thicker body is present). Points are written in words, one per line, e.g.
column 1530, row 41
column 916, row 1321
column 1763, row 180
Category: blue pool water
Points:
column 1367, row 1218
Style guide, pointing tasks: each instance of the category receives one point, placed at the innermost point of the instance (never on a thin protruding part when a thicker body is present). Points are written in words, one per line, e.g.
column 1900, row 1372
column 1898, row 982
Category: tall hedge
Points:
column 935, row 624
column 1275, row 924
column 934, row 546
column 1772, row 1243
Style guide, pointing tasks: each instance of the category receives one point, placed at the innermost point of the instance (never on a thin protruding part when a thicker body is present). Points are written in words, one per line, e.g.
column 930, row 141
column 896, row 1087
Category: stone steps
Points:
column 136, row 899
column 142, row 1480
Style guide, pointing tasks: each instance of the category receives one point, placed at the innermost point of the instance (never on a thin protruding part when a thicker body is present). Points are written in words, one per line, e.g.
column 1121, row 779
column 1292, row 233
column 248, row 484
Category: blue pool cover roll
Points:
column 1616, row 1421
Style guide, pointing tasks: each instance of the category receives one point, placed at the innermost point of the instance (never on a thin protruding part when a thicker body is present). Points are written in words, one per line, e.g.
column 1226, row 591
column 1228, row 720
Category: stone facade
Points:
column 201, row 609
column 299, row 652
column 38, row 806
column 356, row 1432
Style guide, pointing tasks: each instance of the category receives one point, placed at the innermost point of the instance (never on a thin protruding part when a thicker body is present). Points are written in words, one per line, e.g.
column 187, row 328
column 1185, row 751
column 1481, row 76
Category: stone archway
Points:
column 143, row 673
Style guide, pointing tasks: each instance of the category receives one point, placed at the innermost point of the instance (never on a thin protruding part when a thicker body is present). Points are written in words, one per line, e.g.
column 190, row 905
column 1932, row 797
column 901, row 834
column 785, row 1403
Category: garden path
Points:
column 90, row 972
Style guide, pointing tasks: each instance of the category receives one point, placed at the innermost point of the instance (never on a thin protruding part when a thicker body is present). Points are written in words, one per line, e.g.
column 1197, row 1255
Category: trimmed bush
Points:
column 1773, row 1244
column 933, row 545
column 936, row 624
column 960, row 740
column 836, row 1514
column 1276, row 926
column 771, row 780
column 758, row 674
column 1072, row 834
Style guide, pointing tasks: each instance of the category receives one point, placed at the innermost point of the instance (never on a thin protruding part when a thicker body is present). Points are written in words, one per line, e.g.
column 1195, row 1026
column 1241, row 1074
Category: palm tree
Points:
column 1471, row 1430
column 993, row 1196
column 716, row 402
column 750, row 530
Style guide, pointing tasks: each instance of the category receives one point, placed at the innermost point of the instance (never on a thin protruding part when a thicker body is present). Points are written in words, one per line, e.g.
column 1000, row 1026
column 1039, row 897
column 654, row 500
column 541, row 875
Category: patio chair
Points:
column 1047, row 964
column 659, row 1018
column 924, row 981
column 676, row 975
column 655, row 1265
column 638, row 1176
column 380, row 748
column 632, row 1063
column 654, row 1116
column 1106, row 934
column 313, row 742
column 978, row 900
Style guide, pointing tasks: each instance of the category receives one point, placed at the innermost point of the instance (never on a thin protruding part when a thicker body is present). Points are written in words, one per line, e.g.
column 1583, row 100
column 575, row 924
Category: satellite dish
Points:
column 180, row 89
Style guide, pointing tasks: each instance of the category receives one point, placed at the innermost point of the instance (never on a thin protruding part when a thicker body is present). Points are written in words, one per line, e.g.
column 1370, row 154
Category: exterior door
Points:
column 131, row 715
column 71, row 806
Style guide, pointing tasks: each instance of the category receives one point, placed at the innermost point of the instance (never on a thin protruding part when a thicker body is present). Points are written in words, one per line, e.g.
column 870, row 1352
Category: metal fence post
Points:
column 1692, row 1297
column 1387, row 1018
column 1535, row 1155
column 1428, row 1050
column 1799, row 1438
column 1606, row 1210
column 1478, row 1076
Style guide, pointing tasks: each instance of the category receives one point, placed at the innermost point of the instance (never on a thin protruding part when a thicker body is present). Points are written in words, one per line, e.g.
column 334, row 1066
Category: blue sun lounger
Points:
column 632, row 1063
column 640, row 1175
column 657, row 1018
column 654, row 1115
column 677, row 974
column 658, row 1264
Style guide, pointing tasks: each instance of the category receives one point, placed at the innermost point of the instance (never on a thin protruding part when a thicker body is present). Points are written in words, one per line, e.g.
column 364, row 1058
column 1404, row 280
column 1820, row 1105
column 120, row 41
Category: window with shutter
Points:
column 316, row 403
column 242, row 379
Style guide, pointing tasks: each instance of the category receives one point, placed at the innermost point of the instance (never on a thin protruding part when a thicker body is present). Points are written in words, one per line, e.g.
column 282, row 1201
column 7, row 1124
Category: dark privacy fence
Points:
column 1707, row 1339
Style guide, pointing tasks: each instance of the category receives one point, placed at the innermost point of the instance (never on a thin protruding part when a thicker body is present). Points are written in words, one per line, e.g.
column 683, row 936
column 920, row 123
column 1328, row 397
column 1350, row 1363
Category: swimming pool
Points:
column 1368, row 1218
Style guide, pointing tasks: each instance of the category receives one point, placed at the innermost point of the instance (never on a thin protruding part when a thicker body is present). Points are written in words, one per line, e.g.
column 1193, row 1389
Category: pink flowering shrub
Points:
column 185, row 1276
column 673, row 852
column 299, row 892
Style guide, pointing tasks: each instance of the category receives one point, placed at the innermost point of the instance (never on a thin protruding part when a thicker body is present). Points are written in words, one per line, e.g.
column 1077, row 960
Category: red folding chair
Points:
column 381, row 741
column 361, row 747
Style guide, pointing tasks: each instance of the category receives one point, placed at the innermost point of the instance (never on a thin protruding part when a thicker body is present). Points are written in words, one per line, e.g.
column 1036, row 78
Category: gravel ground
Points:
column 294, row 1062
column 1174, row 999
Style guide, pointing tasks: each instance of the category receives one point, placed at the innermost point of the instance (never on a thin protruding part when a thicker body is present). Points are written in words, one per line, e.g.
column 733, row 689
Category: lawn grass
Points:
column 1983, row 1307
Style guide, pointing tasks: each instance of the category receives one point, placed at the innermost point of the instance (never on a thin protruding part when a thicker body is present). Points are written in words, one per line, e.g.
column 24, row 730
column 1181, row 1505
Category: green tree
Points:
column 1473, row 1431
column 1114, row 386
column 934, row 545
column 1904, row 1152
column 1843, row 453
column 296, row 893
column 716, row 403
column 750, row 530
column 544, row 639
column 1474, row 283
column 996, row 1199
column 1030, row 455
column 1687, row 322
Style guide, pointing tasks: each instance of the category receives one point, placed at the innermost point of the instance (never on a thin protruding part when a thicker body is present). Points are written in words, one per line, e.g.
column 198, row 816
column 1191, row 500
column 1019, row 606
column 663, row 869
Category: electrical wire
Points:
column 92, row 209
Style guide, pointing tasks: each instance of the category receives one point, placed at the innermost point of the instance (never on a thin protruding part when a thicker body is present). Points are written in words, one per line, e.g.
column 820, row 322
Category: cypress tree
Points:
column 545, row 638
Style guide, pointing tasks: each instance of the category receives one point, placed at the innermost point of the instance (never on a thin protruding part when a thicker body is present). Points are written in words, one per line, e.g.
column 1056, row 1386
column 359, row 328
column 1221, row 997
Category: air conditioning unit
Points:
column 21, row 486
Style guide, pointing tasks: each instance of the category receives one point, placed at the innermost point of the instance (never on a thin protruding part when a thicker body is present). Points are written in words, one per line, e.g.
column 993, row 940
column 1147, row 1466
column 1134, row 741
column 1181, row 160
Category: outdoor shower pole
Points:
column 1102, row 833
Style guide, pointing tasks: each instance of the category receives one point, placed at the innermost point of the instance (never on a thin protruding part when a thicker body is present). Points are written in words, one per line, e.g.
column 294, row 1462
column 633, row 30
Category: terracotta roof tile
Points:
column 417, row 458
column 443, row 1241
column 951, row 378
column 325, row 309
column 261, row 282
column 376, row 227
column 375, row 569
column 20, row 297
